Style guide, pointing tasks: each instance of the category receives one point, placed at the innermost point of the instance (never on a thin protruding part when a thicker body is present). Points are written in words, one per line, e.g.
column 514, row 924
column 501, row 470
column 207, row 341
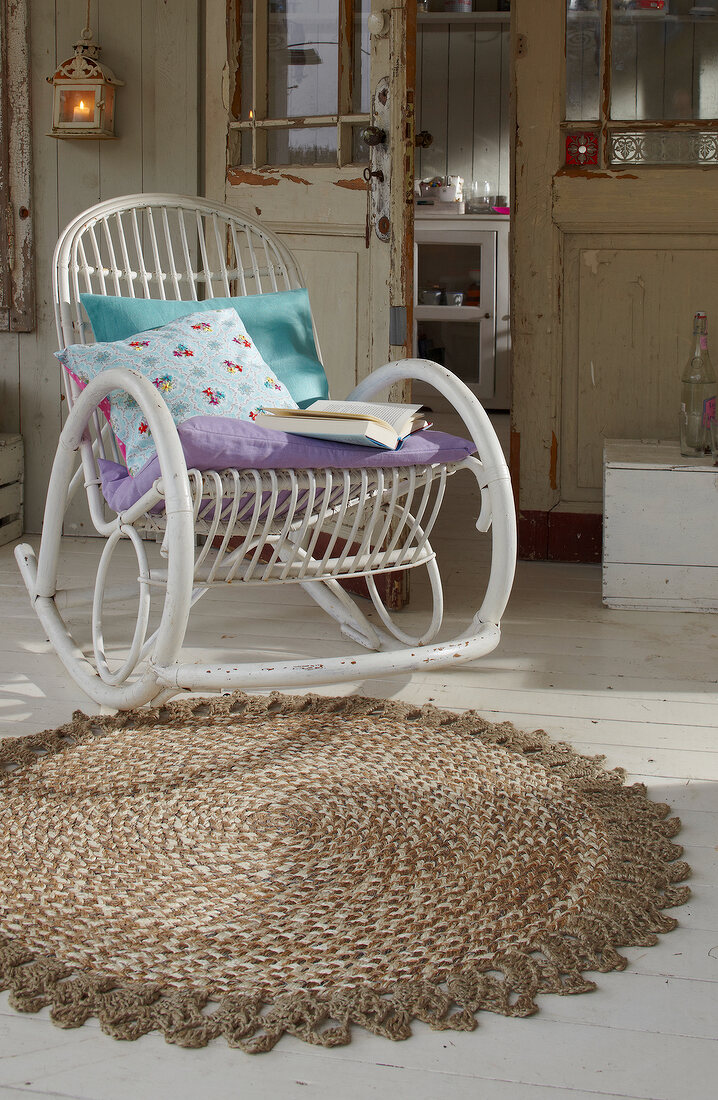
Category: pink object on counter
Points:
column 501, row 209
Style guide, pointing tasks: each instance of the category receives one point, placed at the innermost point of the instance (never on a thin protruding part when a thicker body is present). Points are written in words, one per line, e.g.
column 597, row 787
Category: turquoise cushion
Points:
column 202, row 364
column 280, row 325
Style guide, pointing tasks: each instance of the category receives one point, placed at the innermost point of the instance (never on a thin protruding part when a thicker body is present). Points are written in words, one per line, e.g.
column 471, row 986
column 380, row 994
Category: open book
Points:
column 371, row 424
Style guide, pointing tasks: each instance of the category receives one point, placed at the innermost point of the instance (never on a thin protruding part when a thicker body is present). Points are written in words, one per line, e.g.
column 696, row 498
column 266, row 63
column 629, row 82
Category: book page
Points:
column 396, row 415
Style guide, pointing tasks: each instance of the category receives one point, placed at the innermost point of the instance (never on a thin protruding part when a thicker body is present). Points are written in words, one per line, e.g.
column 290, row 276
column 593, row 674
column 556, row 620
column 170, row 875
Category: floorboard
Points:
column 639, row 687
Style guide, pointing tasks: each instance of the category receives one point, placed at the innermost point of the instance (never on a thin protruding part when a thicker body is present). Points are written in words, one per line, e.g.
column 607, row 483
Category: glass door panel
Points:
column 303, row 93
column 583, row 55
column 302, row 61
column 664, row 61
column 455, row 314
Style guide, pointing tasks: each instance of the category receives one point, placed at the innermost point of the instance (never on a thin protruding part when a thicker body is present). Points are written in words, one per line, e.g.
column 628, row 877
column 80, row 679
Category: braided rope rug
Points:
column 250, row 866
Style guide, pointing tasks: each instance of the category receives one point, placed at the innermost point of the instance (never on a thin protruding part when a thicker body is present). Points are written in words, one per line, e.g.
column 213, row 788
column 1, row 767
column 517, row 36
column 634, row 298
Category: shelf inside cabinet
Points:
column 451, row 313
column 463, row 17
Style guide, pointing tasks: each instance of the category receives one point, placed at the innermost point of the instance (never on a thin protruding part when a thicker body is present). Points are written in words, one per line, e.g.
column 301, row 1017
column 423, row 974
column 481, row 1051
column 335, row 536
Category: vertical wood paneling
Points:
column 17, row 285
column 460, row 97
column 5, row 281
column 153, row 46
column 680, row 100
column 214, row 95
column 121, row 160
column 652, row 65
column 504, row 174
column 170, row 99
column 434, row 107
column 705, row 72
column 463, row 77
column 78, row 162
column 582, row 78
column 664, row 70
column 623, row 74
column 628, row 373
column 332, row 279
column 488, row 95
column 37, row 370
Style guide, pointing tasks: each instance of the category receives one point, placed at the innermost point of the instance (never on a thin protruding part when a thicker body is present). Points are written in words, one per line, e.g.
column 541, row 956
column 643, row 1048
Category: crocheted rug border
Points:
column 642, row 881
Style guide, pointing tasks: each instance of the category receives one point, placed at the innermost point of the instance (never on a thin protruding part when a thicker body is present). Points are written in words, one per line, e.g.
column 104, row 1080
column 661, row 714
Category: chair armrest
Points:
column 492, row 471
column 454, row 390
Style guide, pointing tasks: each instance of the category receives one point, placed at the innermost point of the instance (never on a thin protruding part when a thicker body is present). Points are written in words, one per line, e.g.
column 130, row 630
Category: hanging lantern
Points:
column 84, row 93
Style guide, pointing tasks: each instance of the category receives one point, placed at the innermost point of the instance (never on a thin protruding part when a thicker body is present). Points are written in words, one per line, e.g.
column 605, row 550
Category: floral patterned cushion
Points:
column 202, row 364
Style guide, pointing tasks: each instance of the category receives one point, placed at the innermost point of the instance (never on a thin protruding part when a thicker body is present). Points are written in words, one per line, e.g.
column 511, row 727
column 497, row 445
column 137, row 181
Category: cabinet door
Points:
column 455, row 310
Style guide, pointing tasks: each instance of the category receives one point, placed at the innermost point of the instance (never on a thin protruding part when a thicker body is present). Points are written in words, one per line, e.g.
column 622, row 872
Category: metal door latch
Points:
column 378, row 174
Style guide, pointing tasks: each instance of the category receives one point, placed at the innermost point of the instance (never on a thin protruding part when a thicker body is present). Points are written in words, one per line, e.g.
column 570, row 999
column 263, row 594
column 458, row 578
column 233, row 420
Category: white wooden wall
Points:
column 153, row 45
column 462, row 99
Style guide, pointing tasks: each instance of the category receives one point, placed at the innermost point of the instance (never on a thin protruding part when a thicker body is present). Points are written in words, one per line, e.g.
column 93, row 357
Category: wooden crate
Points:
column 11, row 487
column 660, row 528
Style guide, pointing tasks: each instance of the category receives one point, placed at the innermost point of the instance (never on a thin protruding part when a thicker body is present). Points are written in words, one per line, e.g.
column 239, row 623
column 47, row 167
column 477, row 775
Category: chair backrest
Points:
column 164, row 246
column 157, row 246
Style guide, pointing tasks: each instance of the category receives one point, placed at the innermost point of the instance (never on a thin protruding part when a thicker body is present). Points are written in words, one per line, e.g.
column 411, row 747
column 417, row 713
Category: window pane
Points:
column 302, row 146
column 360, row 149
column 456, row 346
column 361, row 94
column 583, row 51
column 664, row 62
column 302, row 60
column 245, row 148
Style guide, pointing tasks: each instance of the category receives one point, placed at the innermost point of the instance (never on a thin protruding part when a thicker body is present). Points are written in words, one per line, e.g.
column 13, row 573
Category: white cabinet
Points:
column 660, row 528
column 464, row 255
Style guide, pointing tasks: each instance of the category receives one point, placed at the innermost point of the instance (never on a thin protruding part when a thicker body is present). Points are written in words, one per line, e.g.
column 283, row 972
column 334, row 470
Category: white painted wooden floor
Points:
column 639, row 687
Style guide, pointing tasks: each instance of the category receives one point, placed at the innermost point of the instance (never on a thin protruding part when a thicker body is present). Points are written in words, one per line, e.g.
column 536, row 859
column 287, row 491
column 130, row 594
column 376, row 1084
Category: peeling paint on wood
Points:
column 352, row 185
column 17, row 283
column 401, row 215
column 588, row 173
column 237, row 176
column 295, row 179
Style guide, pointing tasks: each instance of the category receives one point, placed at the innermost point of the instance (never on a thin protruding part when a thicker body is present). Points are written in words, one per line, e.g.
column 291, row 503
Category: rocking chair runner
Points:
column 216, row 525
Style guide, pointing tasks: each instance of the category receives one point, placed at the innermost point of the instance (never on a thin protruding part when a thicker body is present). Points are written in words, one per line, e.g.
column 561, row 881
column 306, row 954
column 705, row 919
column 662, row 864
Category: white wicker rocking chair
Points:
column 216, row 524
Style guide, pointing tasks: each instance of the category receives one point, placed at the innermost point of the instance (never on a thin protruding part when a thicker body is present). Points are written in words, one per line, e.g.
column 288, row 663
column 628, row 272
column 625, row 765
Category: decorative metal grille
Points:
column 664, row 147
column 582, row 148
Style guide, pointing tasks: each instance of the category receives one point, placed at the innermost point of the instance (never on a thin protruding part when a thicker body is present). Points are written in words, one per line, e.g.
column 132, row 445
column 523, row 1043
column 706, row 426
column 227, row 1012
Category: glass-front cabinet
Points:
column 461, row 315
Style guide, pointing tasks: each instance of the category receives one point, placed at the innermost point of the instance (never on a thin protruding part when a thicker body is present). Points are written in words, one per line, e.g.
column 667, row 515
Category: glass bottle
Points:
column 698, row 394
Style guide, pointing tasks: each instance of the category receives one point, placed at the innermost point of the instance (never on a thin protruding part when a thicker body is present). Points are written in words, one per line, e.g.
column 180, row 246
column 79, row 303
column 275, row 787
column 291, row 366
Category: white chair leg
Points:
column 332, row 598
column 115, row 688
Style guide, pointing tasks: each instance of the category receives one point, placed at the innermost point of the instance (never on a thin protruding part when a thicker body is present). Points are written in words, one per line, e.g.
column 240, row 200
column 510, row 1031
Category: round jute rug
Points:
column 249, row 866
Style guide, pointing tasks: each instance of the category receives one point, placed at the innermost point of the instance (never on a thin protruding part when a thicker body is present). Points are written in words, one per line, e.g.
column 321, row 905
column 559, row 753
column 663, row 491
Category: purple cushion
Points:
column 218, row 442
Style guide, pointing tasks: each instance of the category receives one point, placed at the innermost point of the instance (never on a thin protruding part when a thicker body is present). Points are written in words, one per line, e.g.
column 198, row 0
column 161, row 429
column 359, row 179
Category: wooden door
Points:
column 614, row 243
column 304, row 82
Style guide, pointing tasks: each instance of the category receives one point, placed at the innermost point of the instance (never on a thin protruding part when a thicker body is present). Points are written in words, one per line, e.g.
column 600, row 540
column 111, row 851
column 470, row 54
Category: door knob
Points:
column 423, row 139
column 378, row 23
column 373, row 135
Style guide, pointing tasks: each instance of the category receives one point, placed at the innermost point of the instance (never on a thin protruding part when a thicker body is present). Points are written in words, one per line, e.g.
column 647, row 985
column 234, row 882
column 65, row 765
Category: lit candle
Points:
column 81, row 113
